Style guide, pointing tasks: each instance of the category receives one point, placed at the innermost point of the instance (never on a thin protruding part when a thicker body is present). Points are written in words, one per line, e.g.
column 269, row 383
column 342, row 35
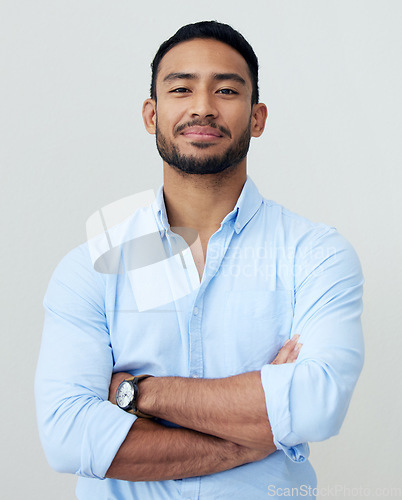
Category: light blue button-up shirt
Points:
column 269, row 274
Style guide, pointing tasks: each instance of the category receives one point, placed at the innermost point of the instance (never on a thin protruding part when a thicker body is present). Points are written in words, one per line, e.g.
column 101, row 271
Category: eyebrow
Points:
column 216, row 76
column 230, row 76
column 180, row 76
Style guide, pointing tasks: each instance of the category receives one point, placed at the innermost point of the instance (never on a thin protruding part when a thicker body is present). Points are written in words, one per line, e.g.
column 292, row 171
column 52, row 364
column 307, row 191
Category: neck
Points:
column 202, row 201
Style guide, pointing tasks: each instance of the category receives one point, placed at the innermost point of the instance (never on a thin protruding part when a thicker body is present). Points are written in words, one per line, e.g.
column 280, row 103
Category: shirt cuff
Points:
column 276, row 381
column 106, row 429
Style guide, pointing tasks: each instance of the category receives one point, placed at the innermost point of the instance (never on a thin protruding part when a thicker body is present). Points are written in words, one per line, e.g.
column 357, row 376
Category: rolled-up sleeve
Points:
column 308, row 400
column 80, row 430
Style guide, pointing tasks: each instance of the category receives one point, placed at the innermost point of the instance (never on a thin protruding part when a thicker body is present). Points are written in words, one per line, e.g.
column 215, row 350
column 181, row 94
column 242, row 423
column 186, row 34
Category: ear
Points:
column 149, row 115
column 258, row 118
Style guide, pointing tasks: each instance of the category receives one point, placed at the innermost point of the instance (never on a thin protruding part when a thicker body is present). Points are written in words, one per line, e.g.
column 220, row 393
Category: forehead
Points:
column 203, row 57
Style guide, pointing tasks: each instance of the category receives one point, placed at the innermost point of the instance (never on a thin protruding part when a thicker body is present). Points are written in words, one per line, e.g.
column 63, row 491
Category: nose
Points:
column 203, row 105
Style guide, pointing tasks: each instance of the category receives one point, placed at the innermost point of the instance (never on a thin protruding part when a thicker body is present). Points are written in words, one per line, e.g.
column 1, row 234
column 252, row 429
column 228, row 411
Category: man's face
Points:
column 203, row 110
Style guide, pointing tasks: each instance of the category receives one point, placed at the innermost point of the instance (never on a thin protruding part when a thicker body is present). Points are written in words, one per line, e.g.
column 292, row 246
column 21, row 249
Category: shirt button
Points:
column 195, row 311
column 237, row 225
column 194, row 376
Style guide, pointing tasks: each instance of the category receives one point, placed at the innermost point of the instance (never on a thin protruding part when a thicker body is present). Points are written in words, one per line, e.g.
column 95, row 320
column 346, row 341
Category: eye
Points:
column 180, row 90
column 227, row 92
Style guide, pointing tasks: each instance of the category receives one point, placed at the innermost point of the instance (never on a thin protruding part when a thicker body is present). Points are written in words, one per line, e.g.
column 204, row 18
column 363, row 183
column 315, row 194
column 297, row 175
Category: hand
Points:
column 117, row 379
column 288, row 352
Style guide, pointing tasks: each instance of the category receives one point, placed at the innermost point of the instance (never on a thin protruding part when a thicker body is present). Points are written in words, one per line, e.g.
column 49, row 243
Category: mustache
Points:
column 203, row 123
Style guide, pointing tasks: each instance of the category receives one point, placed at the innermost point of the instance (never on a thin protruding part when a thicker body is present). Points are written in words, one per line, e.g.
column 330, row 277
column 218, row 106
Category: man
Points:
column 232, row 409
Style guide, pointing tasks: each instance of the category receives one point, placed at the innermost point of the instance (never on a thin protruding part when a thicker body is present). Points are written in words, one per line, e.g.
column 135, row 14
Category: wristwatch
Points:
column 127, row 395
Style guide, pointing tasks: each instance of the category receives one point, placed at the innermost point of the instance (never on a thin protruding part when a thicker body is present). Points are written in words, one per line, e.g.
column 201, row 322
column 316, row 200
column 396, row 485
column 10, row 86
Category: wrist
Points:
column 146, row 401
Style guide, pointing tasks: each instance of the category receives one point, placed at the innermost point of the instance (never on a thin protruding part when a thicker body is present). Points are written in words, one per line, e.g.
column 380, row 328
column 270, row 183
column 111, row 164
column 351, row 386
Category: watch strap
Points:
column 135, row 380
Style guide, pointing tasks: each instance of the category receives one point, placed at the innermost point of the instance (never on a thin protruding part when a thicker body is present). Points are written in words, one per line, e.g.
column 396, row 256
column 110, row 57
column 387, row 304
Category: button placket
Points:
column 217, row 247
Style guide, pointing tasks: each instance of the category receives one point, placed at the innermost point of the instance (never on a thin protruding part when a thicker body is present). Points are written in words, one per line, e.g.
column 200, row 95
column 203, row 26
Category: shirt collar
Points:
column 247, row 205
column 159, row 209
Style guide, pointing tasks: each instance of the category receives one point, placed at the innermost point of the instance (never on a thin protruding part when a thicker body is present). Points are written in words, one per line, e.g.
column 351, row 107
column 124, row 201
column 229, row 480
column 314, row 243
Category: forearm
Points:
column 231, row 408
column 227, row 417
column 152, row 452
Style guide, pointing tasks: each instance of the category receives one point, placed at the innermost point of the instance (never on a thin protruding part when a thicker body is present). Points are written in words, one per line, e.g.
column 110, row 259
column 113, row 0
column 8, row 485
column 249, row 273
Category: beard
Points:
column 190, row 164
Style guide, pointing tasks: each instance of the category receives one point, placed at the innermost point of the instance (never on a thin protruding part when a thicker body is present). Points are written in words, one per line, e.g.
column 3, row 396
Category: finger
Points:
column 294, row 354
column 285, row 350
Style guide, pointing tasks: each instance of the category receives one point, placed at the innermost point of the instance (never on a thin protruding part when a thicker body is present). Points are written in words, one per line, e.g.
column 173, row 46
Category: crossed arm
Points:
column 224, row 424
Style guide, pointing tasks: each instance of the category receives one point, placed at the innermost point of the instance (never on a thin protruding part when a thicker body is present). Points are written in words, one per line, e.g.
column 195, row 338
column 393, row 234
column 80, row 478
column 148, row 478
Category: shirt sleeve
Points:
column 80, row 430
column 308, row 400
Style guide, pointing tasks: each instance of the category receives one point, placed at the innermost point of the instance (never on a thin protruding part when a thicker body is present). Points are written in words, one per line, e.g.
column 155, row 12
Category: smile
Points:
column 202, row 133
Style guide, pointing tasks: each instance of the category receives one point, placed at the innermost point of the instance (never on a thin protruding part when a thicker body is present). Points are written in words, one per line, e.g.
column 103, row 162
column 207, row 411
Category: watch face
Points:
column 125, row 395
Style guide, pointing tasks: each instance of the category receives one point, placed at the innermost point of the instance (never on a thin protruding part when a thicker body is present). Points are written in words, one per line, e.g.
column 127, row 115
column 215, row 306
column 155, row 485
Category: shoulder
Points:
column 296, row 227
column 306, row 239
column 75, row 278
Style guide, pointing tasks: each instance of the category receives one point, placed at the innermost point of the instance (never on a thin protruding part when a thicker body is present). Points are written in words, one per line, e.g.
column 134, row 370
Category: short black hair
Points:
column 210, row 30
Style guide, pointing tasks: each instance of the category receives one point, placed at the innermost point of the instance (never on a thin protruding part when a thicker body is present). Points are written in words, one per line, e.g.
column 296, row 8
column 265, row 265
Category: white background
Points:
column 73, row 76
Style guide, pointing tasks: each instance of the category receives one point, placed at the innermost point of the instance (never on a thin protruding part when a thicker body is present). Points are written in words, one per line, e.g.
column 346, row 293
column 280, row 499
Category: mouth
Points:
column 202, row 133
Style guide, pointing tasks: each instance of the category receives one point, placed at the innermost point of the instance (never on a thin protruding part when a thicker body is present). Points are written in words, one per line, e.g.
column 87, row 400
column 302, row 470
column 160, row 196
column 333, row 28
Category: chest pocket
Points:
column 256, row 324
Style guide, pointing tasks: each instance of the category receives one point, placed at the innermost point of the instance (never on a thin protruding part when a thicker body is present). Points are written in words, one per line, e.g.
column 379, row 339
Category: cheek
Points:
column 238, row 116
column 169, row 117
column 172, row 107
column 239, row 127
